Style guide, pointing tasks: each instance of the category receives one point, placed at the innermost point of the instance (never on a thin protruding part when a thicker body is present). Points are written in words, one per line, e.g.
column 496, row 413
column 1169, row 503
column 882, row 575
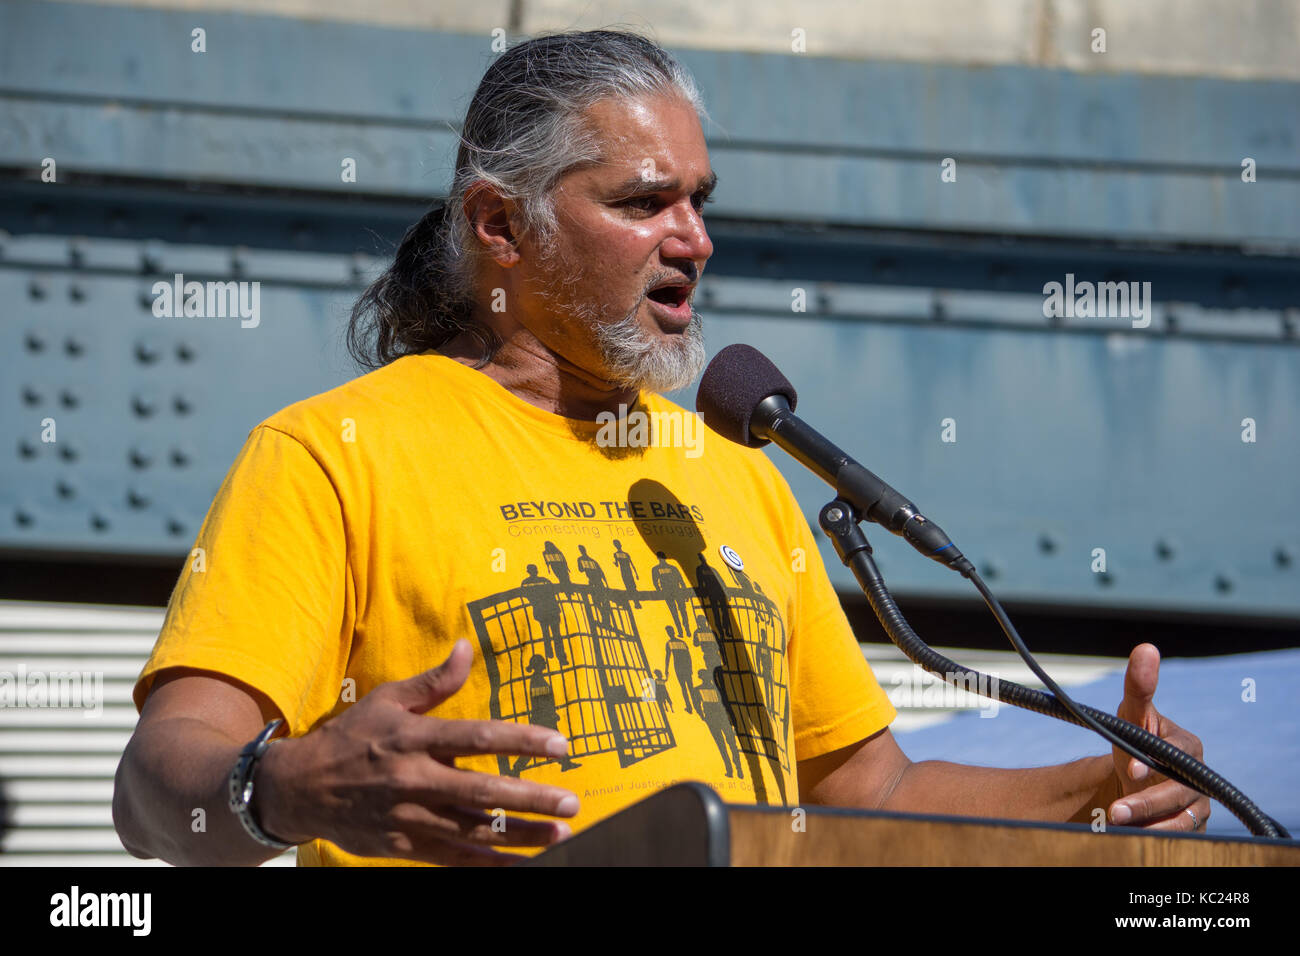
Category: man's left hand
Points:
column 1150, row 799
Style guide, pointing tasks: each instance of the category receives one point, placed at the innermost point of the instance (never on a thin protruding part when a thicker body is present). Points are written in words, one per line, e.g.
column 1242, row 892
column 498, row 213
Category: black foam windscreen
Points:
column 738, row 378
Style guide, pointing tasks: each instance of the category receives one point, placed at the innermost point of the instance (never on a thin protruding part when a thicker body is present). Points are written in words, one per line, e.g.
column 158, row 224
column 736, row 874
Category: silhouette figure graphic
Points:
column 623, row 561
column 668, row 581
column 599, row 588
column 707, row 642
column 763, row 659
column 763, row 655
column 713, row 596
column 678, row 654
column 542, row 711
column 761, row 610
column 555, row 560
column 546, row 611
column 661, row 690
column 708, row 702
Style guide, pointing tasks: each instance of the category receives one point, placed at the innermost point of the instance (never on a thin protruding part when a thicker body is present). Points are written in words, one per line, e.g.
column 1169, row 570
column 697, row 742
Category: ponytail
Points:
column 419, row 303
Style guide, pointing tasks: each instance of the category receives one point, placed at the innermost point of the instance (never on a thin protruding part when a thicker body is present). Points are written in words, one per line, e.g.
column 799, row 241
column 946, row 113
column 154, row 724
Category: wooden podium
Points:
column 689, row 825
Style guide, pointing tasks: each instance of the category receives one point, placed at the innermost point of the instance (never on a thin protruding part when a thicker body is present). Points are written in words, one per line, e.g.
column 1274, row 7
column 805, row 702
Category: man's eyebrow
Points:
column 636, row 186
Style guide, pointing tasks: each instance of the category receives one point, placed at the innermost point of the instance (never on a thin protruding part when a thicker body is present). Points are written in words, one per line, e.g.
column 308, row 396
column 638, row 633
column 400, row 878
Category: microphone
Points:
column 745, row 398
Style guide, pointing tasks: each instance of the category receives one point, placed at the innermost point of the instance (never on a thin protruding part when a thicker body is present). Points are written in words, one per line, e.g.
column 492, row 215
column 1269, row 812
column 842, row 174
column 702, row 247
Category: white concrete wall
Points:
column 1227, row 38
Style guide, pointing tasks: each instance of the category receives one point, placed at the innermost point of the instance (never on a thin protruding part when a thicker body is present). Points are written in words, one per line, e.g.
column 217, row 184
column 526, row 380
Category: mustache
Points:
column 690, row 272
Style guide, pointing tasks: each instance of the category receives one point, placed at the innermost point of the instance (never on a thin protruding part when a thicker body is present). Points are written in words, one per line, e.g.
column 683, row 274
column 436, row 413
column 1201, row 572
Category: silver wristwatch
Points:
column 241, row 786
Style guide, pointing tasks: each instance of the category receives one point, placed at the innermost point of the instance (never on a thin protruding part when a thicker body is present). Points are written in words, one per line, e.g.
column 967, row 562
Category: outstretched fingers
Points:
column 446, row 739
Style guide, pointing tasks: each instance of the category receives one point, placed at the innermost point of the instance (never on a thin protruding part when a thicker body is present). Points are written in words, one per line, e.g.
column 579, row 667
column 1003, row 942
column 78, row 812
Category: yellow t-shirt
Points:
column 644, row 586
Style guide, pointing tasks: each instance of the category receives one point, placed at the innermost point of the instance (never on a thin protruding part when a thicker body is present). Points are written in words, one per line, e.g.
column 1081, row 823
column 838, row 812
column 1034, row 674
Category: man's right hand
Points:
column 381, row 780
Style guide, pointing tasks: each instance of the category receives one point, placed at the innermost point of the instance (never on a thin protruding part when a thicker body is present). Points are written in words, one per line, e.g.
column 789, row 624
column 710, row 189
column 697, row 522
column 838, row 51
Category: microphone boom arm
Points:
column 840, row 520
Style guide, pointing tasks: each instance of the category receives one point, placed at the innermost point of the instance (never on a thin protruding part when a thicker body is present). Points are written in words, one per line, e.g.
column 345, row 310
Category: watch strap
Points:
column 241, row 786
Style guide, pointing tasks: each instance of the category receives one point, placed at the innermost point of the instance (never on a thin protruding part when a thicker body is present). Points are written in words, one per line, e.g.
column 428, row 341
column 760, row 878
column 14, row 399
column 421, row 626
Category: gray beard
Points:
column 634, row 358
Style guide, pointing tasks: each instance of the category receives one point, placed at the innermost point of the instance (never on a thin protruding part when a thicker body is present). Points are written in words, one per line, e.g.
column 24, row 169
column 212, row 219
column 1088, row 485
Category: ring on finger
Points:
column 1196, row 824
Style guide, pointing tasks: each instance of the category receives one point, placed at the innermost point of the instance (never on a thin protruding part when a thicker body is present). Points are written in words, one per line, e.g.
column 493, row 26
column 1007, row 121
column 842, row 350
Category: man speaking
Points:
column 481, row 622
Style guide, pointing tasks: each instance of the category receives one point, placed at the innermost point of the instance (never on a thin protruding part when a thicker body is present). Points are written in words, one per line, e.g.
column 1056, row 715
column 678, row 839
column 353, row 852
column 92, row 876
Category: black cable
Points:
column 1173, row 772
column 1079, row 714
column 852, row 546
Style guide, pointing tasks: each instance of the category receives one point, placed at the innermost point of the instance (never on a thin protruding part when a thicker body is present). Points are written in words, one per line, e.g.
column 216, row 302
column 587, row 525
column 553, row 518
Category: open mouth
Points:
column 671, row 296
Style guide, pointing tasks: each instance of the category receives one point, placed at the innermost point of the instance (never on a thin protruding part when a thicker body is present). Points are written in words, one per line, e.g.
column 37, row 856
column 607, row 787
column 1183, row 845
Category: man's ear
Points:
column 495, row 221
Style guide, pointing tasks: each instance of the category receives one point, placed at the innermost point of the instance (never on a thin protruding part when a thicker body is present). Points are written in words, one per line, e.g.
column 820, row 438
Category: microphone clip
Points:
column 841, row 522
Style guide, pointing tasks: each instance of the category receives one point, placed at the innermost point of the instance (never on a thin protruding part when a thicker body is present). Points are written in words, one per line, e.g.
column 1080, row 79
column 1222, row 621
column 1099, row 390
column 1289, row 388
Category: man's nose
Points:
column 688, row 238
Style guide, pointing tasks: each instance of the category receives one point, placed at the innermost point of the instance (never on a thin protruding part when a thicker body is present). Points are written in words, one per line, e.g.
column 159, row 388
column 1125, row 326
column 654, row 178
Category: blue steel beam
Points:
column 1063, row 445
column 1128, row 441
column 1211, row 276
column 112, row 90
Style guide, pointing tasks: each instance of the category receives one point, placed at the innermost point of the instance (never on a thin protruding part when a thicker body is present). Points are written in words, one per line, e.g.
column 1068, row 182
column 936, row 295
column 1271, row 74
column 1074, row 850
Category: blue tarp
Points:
column 1254, row 744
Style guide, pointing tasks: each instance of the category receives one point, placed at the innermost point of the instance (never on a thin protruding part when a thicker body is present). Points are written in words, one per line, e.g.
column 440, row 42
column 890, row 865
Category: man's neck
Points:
column 534, row 374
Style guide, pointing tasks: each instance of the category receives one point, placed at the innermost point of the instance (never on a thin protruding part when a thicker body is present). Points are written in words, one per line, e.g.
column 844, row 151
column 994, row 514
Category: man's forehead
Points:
column 650, row 140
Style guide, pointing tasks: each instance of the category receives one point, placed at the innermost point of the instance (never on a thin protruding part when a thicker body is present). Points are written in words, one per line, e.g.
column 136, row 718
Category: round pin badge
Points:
column 732, row 559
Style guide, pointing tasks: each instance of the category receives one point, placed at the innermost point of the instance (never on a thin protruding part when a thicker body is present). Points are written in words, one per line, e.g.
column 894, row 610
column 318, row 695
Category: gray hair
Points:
column 524, row 130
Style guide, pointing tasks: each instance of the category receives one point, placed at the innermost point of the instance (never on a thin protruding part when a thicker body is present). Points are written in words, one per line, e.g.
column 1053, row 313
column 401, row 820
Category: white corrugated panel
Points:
column 922, row 699
column 57, row 762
